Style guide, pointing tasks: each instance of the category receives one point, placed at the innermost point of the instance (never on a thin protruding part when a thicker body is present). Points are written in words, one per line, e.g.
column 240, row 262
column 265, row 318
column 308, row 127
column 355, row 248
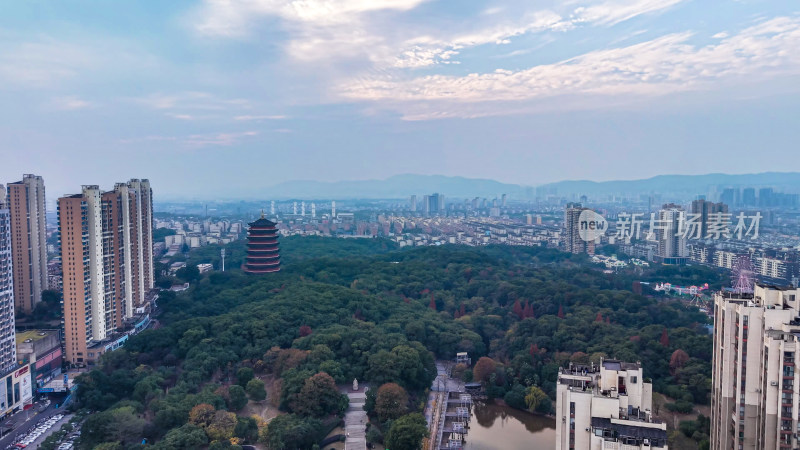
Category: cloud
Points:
column 660, row 66
column 222, row 139
column 616, row 11
column 265, row 117
column 41, row 62
column 190, row 101
column 68, row 103
column 233, row 18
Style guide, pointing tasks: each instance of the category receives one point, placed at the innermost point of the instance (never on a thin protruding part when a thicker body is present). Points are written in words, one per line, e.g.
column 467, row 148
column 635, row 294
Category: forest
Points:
column 343, row 309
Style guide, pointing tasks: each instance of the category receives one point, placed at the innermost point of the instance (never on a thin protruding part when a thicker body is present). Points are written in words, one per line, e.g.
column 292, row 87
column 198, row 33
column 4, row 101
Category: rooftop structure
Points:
column 606, row 406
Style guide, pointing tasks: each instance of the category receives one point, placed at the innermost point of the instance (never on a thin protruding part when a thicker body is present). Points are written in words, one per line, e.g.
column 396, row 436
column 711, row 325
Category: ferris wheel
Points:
column 742, row 277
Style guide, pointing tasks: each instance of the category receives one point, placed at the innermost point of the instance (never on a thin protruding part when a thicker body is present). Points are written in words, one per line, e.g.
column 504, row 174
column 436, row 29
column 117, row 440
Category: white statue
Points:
column 355, row 384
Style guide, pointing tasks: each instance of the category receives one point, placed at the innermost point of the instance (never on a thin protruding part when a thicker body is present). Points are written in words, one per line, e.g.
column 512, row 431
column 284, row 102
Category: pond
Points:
column 495, row 426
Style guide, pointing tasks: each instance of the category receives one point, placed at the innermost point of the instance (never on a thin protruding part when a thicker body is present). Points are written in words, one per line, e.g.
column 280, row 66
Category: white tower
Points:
column 313, row 209
column 294, row 208
column 333, row 209
column 303, row 209
column 272, row 208
column 222, row 253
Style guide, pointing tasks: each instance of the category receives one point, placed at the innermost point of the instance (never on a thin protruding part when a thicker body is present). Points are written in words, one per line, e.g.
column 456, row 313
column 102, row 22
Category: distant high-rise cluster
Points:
column 433, row 204
column 706, row 210
column 107, row 263
column 767, row 197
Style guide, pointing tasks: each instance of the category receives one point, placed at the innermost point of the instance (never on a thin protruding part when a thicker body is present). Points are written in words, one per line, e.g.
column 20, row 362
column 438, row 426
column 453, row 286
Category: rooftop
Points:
column 34, row 335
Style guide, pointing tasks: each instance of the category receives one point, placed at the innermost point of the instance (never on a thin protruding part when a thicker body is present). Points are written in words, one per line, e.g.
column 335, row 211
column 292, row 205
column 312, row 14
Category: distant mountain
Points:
column 398, row 186
column 402, row 186
column 680, row 184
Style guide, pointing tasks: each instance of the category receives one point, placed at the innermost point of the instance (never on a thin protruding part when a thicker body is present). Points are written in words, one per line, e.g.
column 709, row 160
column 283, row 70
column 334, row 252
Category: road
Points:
column 26, row 420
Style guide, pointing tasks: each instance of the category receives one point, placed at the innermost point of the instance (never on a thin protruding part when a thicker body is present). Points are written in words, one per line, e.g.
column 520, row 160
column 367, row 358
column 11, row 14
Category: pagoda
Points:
column 263, row 255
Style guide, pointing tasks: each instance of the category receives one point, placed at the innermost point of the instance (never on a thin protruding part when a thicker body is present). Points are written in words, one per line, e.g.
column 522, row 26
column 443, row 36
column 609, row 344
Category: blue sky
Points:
column 200, row 95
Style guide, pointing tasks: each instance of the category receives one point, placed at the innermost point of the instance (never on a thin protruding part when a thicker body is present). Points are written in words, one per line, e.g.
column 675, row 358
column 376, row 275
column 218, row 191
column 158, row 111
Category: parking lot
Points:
column 39, row 430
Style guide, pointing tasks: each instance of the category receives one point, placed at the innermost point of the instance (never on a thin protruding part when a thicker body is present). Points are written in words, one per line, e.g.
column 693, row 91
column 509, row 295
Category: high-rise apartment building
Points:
column 671, row 241
column 571, row 238
column 606, row 406
column 8, row 348
column 106, row 262
column 433, row 204
column 705, row 209
column 26, row 202
column 755, row 398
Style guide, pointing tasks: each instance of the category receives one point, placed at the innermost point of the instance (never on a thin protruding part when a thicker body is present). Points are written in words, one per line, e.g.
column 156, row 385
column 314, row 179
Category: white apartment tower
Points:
column 755, row 396
column 8, row 347
column 606, row 406
column 671, row 240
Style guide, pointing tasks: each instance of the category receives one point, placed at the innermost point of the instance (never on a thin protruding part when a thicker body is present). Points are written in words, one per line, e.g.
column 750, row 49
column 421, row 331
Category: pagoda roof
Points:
column 262, row 222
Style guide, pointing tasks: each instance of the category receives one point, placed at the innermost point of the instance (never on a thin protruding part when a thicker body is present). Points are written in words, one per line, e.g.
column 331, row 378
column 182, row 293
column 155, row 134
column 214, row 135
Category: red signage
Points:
column 21, row 372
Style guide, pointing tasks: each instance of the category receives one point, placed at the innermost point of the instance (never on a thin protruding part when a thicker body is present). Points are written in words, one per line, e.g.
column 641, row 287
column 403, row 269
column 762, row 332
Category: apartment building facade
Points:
column 26, row 203
column 8, row 348
column 755, row 397
column 106, row 261
column 606, row 406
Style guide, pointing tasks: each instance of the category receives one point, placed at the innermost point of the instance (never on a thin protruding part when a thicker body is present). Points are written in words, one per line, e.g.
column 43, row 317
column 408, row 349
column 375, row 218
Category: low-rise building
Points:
column 42, row 350
column 606, row 406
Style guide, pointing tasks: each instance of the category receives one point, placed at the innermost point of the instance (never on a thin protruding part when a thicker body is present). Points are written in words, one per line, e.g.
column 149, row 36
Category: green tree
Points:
column 187, row 437
column 407, row 432
column 255, row 390
column 289, row 431
column 238, row 397
column 319, row 397
column 244, row 375
column 246, row 429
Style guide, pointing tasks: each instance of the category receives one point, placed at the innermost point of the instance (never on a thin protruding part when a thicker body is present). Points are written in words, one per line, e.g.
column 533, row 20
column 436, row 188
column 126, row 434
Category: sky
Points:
column 200, row 96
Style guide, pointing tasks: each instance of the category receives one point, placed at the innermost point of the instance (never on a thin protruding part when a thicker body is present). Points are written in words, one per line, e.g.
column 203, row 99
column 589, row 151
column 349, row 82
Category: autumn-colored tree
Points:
column 529, row 311
column 560, row 311
column 608, row 319
column 484, row 368
column 391, row 402
column 518, row 310
column 664, row 338
column 432, row 304
column 678, row 360
column 579, row 358
column 462, row 311
column 202, row 415
column 280, row 360
column 221, row 426
column 534, row 396
column 304, row 330
column 599, row 317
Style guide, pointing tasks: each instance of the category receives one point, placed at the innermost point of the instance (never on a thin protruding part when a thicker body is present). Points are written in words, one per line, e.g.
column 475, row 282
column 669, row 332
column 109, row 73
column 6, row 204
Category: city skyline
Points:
column 272, row 91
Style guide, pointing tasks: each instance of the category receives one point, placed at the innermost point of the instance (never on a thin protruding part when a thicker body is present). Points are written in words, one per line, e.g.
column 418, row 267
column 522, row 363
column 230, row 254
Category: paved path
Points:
column 355, row 421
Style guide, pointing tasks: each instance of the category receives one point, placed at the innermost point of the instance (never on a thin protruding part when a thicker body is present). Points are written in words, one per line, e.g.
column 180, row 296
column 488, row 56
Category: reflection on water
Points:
column 501, row 427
